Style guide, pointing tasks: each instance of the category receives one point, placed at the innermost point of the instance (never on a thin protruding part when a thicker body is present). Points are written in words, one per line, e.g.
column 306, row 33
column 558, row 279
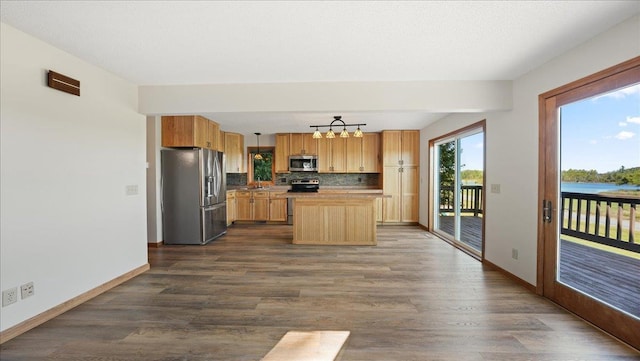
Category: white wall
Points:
column 154, row 211
column 66, row 223
column 512, row 146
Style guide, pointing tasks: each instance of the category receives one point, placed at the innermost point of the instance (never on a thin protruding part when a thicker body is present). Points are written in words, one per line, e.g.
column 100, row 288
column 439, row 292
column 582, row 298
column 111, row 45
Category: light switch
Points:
column 495, row 188
column 132, row 190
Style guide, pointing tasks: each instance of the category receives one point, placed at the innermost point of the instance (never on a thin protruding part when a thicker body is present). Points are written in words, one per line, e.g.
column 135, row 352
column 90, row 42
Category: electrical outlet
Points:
column 26, row 290
column 9, row 296
column 514, row 253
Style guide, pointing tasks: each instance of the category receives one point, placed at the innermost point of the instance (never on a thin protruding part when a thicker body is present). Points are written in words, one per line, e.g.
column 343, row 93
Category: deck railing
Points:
column 470, row 199
column 605, row 220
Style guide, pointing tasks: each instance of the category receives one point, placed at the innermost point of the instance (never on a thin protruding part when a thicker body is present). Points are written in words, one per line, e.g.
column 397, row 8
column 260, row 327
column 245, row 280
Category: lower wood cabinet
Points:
column 277, row 208
column 259, row 206
column 252, row 206
column 231, row 207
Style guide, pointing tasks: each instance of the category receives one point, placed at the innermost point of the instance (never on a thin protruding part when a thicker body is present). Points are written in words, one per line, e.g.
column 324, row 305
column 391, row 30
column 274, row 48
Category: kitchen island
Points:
column 335, row 218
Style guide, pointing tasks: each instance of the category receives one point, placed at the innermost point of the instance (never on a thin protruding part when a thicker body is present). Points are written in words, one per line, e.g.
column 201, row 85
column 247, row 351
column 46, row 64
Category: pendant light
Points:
column 258, row 156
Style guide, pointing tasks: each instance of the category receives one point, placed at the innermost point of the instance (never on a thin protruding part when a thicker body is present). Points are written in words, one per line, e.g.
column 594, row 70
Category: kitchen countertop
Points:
column 329, row 195
column 323, row 189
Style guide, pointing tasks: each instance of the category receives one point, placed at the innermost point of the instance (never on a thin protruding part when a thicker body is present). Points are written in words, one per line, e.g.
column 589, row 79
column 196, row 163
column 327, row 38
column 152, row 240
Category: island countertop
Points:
column 330, row 195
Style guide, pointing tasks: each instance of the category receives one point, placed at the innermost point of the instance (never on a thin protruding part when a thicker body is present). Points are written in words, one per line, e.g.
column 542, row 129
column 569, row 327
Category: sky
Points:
column 471, row 156
column 603, row 132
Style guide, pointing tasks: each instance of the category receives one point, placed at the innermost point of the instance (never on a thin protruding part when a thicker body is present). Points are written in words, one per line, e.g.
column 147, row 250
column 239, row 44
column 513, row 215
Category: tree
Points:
column 447, row 172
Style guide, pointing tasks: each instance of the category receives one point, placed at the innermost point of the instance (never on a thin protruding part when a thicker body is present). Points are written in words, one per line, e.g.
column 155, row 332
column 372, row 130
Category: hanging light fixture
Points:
column 343, row 134
column 258, row 156
column 317, row 134
column 358, row 133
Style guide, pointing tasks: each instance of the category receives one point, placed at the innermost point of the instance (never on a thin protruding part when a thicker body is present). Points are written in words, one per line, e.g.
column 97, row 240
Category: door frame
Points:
column 482, row 124
column 612, row 321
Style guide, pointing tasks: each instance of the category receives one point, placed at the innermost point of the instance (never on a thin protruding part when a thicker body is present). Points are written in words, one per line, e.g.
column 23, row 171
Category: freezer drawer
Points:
column 214, row 221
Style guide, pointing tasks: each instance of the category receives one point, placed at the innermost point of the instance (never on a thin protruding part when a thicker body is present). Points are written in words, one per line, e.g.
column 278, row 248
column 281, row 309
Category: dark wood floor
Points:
column 412, row 297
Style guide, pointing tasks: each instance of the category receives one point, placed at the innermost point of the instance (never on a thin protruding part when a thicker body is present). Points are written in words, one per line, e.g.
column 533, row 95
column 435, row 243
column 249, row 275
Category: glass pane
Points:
column 471, row 177
column 599, row 201
column 262, row 168
column 446, row 154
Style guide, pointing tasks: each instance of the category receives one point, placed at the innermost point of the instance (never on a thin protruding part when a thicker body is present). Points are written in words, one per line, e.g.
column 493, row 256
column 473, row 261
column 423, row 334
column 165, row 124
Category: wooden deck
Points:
column 471, row 231
column 609, row 277
column 606, row 276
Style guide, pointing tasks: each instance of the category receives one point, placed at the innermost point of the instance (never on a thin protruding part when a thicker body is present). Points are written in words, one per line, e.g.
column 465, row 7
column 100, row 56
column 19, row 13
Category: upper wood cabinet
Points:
column 400, row 147
column 190, row 131
column 337, row 155
column 234, row 152
column 283, row 141
column 332, row 154
column 303, row 143
column 363, row 154
column 349, row 155
column 215, row 137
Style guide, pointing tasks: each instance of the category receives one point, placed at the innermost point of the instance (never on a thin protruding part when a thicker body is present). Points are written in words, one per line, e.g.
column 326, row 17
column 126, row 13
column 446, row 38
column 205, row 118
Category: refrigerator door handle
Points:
column 216, row 177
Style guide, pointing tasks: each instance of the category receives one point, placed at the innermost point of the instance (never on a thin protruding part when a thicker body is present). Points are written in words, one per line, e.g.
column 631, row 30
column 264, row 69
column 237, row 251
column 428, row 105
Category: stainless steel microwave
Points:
column 303, row 163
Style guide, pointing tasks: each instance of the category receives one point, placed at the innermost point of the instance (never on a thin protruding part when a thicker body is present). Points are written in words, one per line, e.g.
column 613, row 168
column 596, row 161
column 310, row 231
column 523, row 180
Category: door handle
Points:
column 547, row 211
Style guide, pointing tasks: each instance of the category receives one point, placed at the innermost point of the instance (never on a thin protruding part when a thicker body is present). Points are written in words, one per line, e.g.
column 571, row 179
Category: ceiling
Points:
column 226, row 42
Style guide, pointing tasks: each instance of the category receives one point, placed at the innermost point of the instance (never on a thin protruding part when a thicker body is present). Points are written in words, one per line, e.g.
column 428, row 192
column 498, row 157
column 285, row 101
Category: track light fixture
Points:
column 343, row 134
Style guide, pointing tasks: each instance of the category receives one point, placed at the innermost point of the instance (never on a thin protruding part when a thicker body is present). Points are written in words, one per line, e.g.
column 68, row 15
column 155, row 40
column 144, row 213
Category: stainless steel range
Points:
column 300, row 185
column 305, row 185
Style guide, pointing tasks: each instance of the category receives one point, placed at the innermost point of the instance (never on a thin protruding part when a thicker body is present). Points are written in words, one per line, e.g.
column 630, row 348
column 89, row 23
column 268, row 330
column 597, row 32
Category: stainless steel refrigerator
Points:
column 194, row 207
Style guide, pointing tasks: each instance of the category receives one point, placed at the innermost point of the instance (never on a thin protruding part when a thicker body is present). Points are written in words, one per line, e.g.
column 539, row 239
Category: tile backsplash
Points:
column 327, row 179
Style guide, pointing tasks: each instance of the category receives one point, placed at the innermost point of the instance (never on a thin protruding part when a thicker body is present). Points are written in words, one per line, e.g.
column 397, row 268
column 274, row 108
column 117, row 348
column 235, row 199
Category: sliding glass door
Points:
column 458, row 174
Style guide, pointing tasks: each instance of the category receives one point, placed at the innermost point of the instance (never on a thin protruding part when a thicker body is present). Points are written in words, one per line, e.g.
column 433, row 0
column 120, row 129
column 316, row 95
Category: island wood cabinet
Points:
column 234, row 152
column 400, row 181
column 253, row 205
column 335, row 219
column 231, row 207
column 191, row 131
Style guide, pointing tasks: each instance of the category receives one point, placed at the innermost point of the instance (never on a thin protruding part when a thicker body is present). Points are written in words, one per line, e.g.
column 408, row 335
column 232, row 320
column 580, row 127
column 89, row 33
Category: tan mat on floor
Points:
column 308, row 346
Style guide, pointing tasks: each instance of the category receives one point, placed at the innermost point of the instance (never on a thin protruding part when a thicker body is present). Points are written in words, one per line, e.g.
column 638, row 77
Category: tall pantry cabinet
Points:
column 400, row 180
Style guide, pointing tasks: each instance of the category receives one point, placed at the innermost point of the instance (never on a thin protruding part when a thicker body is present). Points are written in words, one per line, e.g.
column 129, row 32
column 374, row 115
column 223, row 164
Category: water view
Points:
column 595, row 188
